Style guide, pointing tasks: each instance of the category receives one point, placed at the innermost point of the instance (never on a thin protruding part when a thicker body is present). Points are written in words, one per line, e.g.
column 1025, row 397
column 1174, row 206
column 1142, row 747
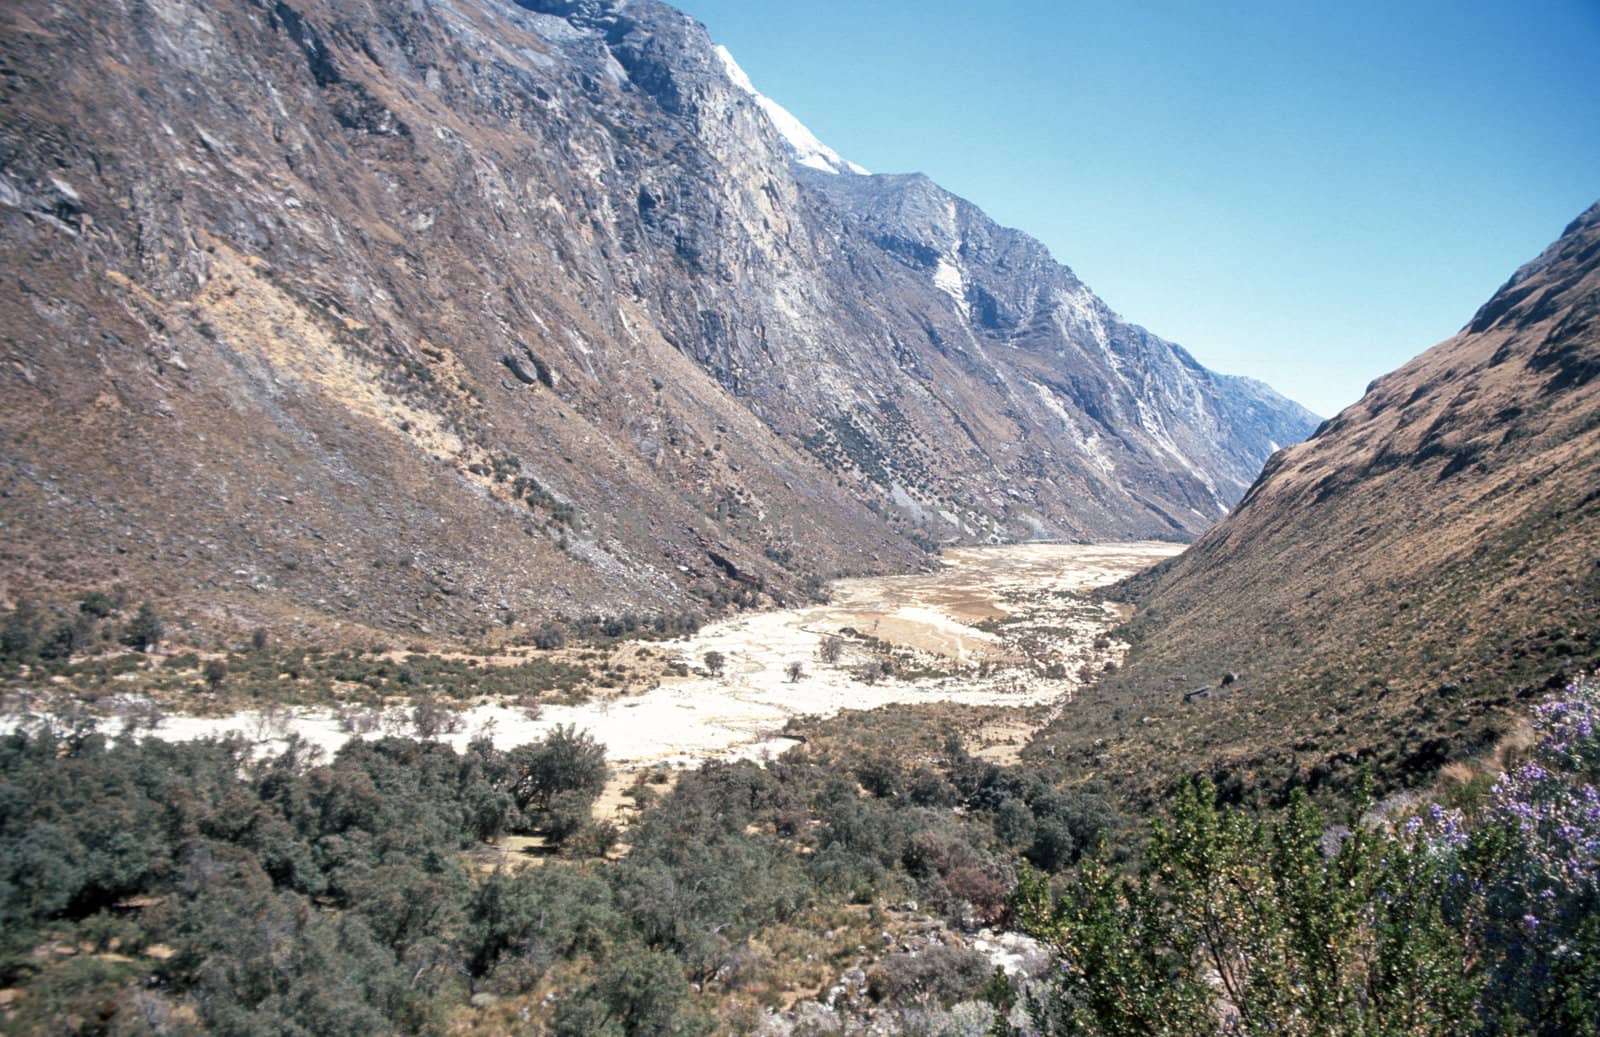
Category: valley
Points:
column 503, row 531
column 1005, row 627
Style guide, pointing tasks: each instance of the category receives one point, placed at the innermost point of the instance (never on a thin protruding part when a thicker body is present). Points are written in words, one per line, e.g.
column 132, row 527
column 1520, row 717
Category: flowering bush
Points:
column 1445, row 924
column 1530, row 875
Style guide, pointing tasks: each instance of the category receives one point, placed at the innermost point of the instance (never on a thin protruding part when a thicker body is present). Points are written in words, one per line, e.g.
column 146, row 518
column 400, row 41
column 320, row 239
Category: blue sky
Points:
column 1309, row 194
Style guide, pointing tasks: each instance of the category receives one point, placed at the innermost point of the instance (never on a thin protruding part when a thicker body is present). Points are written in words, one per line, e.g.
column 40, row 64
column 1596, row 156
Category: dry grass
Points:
column 1392, row 592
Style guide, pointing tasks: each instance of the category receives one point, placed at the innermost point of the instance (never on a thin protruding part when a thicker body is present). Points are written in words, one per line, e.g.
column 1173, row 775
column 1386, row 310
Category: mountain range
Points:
column 433, row 316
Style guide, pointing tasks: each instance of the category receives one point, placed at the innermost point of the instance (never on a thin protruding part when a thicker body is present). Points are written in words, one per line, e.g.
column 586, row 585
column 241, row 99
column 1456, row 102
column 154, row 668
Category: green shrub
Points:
column 1013, row 822
column 880, row 775
column 638, row 993
column 19, row 635
column 1237, row 922
column 145, row 630
column 98, row 604
column 595, row 839
column 534, row 919
column 566, row 814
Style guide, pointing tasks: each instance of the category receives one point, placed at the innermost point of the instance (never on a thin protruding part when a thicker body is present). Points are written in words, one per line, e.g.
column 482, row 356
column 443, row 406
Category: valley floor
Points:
column 1001, row 626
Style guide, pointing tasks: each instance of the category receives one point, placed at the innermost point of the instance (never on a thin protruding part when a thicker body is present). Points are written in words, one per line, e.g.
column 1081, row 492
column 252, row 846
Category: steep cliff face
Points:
column 1389, row 589
column 1068, row 420
column 432, row 315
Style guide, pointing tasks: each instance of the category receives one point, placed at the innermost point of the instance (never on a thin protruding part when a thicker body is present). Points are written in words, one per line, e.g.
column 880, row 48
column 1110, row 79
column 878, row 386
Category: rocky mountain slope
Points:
column 1388, row 590
column 435, row 315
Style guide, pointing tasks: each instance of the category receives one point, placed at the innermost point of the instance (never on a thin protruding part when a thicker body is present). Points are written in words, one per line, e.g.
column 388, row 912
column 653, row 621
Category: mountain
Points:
column 1392, row 590
column 434, row 315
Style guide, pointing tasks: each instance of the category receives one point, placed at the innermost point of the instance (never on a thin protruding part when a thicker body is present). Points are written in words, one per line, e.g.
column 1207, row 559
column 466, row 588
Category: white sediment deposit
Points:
column 742, row 712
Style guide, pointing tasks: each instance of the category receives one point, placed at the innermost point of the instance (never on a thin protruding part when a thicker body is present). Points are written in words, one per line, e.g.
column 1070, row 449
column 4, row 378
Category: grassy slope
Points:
column 1390, row 589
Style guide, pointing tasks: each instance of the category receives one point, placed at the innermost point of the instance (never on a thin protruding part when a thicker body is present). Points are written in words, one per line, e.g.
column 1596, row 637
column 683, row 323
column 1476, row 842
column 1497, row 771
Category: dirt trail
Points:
column 995, row 625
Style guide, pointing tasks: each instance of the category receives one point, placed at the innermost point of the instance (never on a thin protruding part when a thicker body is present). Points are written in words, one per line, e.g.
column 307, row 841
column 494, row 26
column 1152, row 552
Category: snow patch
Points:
column 804, row 146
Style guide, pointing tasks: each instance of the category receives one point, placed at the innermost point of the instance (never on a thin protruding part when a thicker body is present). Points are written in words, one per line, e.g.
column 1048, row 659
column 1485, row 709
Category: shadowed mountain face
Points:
column 432, row 315
column 1389, row 589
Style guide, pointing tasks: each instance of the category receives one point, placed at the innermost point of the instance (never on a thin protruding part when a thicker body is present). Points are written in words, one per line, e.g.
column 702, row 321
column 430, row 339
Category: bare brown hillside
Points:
column 1390, row 589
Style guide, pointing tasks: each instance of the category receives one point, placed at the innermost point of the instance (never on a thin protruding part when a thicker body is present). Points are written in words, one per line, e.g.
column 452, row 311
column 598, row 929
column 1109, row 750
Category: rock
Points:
column 526, row 373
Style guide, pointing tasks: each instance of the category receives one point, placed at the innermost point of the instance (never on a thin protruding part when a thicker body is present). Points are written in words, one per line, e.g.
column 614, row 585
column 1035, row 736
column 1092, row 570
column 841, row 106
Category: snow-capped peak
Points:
column 803, row 144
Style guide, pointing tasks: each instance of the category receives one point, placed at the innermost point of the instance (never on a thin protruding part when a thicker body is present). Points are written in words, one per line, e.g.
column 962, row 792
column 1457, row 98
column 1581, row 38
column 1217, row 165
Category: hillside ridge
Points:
column 1389, row 591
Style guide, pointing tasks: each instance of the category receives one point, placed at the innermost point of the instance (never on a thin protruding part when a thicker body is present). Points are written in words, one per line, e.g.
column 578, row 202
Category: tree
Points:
column 19, row 636
column 67, row 637
column 715, row 661
column 146, row 630
column 1242, row 925
column 567, row 760
column 794, row 671
column 215, row 672
column 258, row 639
column 430, row 719
column 831, row 649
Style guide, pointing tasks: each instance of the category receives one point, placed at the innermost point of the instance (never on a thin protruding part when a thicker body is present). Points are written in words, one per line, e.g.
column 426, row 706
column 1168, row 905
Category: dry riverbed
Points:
column 1000, row 626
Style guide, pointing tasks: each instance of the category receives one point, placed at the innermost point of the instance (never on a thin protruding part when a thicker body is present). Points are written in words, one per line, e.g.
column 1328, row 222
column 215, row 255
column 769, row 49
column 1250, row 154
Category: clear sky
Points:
column 1306, row 193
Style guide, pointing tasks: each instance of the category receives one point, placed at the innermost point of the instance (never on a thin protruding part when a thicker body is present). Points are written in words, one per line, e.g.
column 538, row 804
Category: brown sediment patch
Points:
column 1000, row 739
column 942, row 612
